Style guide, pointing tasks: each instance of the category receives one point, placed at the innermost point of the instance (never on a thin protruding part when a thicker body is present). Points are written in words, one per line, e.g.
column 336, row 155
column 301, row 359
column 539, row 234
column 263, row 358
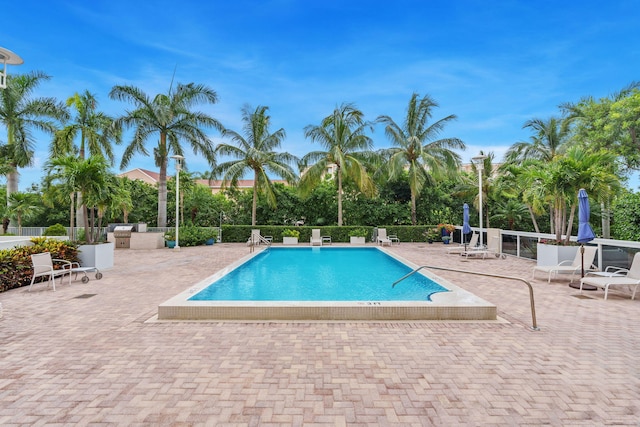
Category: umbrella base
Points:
column 584, row 287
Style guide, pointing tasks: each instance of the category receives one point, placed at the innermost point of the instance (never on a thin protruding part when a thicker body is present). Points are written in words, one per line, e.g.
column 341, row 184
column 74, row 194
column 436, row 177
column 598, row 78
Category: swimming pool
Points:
column 320, row 274
column 449, row 302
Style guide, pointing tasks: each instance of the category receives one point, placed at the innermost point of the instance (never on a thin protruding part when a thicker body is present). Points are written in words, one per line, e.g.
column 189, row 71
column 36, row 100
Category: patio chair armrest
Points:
column 565, row 262
column 66, row 265
column 617, row 270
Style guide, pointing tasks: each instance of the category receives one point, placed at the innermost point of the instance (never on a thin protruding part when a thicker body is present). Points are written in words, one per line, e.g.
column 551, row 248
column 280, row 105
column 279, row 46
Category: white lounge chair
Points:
column 620, row 277
column 43, row 267
column 316, row 238
column 462, row 248
column 382, row 238
column 572, row 267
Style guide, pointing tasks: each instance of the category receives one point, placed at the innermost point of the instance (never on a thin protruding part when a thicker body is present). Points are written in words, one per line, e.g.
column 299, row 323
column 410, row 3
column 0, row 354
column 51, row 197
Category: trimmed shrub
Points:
column 55, row 230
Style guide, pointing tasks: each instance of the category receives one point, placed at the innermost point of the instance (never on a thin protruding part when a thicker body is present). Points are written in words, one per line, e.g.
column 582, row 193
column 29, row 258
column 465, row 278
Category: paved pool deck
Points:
column 93, row 354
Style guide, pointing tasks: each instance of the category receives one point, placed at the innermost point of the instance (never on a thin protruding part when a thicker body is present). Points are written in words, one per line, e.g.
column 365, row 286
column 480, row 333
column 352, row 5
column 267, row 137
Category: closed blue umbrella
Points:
column 466, row 228
column 585, row 233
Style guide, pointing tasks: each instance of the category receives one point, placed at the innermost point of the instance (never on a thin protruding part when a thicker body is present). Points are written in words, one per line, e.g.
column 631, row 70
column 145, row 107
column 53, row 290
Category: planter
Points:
column 289, row 240
column 357, row 240
column 210, row 241
column 171, row 244
column 99, row 256
column 554, row 254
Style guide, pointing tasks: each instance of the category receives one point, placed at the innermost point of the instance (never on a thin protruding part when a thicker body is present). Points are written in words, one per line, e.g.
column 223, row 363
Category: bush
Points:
column 15, row 263
column 359, row 232
column 287, row 232
column 55, row 230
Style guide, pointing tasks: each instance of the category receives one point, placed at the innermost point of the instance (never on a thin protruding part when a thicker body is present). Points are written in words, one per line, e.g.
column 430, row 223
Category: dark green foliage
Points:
column 15, row 264
column 626, row 218
column 145, row 204
column 55, row 230
column 192, row 236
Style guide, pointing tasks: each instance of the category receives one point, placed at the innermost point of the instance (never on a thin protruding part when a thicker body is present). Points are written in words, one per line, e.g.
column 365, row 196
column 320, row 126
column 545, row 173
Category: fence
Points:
column 523, row 244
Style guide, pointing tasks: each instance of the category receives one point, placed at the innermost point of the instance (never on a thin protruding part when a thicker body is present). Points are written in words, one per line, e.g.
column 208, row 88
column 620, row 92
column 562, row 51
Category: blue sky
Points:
column 493, row 64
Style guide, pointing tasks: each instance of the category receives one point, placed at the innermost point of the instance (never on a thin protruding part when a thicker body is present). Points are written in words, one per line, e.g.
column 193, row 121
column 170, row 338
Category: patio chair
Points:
column 382, row 238
column 316, row 239
column 572, row 267
column 462, row 248
column 618, row 277
column 43, row 266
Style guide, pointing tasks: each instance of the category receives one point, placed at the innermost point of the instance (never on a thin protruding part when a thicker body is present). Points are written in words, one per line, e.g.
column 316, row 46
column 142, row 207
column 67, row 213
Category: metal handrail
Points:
column 533, row 307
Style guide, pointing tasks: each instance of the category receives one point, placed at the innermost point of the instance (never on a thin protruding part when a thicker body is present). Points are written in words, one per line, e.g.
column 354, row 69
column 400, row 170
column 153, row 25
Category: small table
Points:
column 326, row 239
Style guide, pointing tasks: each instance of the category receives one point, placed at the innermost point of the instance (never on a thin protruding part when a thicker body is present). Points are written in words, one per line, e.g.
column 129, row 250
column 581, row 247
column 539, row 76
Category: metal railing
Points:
column 475, row 273
column 524, row 244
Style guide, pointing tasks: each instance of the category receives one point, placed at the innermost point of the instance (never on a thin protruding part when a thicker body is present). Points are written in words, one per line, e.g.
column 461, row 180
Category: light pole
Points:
column 480, row 166
column 178, row 160
column 10, row 58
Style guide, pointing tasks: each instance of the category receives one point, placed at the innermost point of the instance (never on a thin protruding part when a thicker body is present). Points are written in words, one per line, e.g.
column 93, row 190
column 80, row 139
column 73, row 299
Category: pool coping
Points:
column 457, row 304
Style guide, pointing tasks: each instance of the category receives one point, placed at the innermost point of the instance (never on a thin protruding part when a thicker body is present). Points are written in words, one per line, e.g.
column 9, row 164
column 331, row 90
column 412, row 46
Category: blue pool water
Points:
column 320, row 274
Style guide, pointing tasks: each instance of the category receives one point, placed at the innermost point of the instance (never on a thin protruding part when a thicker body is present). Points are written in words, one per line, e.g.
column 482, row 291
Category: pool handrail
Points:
column 533, row 307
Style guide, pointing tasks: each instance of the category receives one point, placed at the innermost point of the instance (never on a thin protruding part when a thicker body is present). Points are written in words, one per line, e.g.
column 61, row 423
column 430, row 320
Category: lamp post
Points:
column 178, row 160
column 7, row 58
column 480, row 166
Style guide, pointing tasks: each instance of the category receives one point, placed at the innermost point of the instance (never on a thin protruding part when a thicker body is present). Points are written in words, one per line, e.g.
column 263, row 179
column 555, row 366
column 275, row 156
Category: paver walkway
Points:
column 87, row 355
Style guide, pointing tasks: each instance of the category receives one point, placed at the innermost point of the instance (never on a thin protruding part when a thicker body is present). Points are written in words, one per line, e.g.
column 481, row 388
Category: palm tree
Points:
column 347, row 149
column 558, row 183
column 89, row 177
column 171, row 119
column 254, row 152
column 549, row 139
column 22, row 206
column 96, row 133
column 416, row 148
column 121, row 198
column 20, row 114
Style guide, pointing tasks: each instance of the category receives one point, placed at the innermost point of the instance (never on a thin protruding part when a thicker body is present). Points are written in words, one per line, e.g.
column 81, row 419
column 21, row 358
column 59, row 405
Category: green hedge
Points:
column 15, row 263
column 241, row 233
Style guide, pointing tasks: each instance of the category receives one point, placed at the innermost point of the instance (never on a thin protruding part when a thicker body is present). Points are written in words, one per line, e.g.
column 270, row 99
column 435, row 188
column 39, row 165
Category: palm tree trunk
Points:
column 570, row 222
column 414, row 216
column 12, row 185
column 339, row 197
column 72, row 209
column 533, row 219
column 87, row 231
column 254, row 204
column 80, row 213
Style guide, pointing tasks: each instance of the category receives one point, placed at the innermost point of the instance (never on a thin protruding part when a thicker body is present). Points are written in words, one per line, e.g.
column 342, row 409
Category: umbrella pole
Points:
column 582, row 256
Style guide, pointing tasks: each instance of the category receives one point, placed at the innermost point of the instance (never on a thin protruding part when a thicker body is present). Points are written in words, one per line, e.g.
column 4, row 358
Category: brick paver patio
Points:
column 91, row 354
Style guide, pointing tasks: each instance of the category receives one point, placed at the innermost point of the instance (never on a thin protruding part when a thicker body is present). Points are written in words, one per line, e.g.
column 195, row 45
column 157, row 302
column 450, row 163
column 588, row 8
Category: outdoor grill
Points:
column 122, row 234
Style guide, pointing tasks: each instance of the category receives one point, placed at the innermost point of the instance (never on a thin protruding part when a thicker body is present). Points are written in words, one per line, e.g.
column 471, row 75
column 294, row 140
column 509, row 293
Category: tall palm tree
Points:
column 170, row 118
column 342, row 134
column 95, row 132
column 254, row 152
column 20, row 113
column 416, row 148
column 549, row 139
